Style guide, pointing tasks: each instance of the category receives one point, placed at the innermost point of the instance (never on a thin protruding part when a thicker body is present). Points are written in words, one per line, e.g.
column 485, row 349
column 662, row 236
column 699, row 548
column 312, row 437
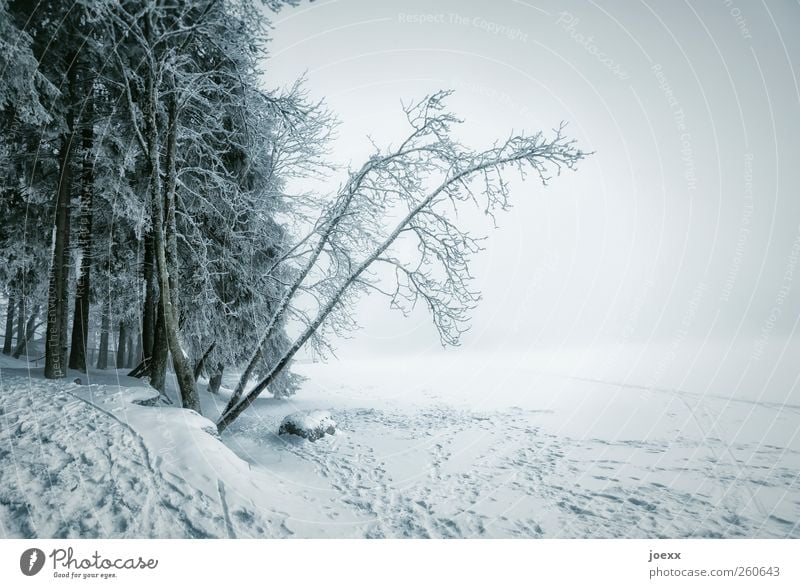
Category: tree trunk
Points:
column 160, row 212
column 146, row 344
column 105, row 327
column 198, row 368
column 158, row 359
column 139, row 355
column 10, row 309
column 21, row 319
column 150, row 300
column 230, row 414
column 58, row 294
column 277, row 316
column 55, row 346
column 215, row 381
column 141, row 369
column 92, row 345
column 233, row 409
column 30, row 329
column 131, row 350
column 121, row 341
column 80, row 321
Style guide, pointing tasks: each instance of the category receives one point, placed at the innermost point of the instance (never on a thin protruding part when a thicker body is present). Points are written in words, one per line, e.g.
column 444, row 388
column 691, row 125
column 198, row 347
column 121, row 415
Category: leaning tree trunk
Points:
column 230, row 414
column 233, row 410
column 105, row 327
column 277, row 317
column 200, row 366
column 12, row 307
column 80, row 321
column 55, row 345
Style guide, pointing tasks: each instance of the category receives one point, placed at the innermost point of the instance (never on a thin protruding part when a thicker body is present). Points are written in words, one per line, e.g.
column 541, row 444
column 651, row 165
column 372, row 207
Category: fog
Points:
column 670, row 257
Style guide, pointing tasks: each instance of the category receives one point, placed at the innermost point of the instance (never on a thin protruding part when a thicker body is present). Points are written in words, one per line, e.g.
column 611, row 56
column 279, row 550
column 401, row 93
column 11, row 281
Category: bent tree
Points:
column 411, row 193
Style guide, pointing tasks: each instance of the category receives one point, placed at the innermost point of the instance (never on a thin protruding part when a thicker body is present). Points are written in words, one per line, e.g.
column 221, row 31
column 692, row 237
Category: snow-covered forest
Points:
column 179, row 241
column 144, row 202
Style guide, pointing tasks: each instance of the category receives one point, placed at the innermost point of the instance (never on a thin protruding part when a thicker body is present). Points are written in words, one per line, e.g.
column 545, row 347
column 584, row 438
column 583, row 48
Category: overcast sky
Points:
column 685, row 224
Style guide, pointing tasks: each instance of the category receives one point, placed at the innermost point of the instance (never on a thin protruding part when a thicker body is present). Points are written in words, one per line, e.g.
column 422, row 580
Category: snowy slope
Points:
column 419, row 452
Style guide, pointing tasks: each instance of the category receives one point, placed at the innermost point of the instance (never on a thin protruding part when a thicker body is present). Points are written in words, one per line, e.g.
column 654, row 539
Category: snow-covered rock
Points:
column 311, row 425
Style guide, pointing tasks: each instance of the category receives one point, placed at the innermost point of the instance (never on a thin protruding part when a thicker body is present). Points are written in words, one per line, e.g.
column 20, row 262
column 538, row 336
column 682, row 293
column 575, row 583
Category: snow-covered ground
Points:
column 424, row 448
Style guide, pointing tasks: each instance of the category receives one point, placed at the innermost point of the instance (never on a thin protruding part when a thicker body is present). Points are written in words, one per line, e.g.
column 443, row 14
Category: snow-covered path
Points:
column 54, row 446
column 83, row 461
column 71, row 469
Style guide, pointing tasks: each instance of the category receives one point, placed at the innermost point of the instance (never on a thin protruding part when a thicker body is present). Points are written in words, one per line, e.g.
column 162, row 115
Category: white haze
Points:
column 669, row 257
